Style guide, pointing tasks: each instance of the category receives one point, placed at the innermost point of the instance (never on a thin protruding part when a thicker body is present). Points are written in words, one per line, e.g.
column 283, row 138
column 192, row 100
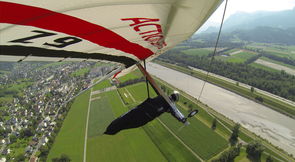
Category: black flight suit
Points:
column 139, row 116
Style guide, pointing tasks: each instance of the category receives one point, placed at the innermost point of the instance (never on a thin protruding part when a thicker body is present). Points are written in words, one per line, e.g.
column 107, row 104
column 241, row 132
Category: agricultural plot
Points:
column 154, row 142
column 8, row 91
column 197, row 136
column 70, row 139
column 200, row 138
column 100, row 116
column 179, row 47
column 126, row 96
column 277, row 50
column 139, row 91
column 169, row 146
column 198, row 52
column 260, row 66
column 131, row 145
column 275, row 66
column 239, row 57
column 278, row 62
column 130, row 76
column 80, row 72
column 102, row 85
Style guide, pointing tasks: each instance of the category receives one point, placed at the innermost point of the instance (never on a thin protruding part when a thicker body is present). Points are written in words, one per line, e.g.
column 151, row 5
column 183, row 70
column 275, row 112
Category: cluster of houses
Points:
column 36, row 111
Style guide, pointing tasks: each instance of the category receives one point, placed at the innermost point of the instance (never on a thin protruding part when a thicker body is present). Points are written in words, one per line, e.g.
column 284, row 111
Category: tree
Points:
column 19, row 158
column 252, row 89
column 190, row 107
column 62, row 158
column 259, row 98
column 235, row 134
column 229, row 155
column 214, row 124
column 163, row 88
column 254, row 150
column 2, row 133
column 44, row 151
column 28, row 132
column 269, row 159
column 12, row 138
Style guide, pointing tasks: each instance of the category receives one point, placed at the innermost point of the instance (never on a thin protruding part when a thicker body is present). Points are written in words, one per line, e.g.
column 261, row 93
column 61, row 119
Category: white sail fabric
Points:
column 124, row 31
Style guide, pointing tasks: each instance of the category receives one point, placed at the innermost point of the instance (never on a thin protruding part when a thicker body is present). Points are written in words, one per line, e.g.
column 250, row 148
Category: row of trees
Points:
column 229, row 155
column 281, row 84
column 278, row 58
column 254, row 149
column 131, row 81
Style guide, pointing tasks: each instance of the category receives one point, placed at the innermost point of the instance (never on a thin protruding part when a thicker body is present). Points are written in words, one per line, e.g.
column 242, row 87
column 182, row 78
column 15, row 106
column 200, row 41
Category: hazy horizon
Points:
column 235, row 6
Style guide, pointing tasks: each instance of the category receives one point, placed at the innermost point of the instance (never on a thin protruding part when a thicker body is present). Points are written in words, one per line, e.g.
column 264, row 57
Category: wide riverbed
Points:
column 271, row 125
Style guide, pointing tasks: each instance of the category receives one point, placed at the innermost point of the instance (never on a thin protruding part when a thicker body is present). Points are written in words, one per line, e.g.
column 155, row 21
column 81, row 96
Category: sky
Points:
column 249, row 6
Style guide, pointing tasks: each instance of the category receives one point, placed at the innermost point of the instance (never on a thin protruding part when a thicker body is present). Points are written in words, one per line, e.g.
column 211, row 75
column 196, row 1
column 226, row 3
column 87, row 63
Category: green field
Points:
column 126, row 97
column 133, row 75
column 197, row 52
column 240, row 57
column 155, row 141
column 70, row 139
column 278, row 50
column 205, row 142
column 200, row 138
column 263, row 67
column 278, row 62
column 53, row 64
column 8, row 91
column 232, row 50
column 101, row 85
column 159, row 141
column 128, row 145
column 80, row 72
column 100, row 116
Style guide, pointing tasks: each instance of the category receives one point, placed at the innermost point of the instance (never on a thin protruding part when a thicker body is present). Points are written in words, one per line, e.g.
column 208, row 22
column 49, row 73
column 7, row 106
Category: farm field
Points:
column 260, row 66
column 198, row 52
column 281, row 51
column 159, row 140
column 275, row 66
column 278, row 62
column 80, row 72
column 197, row 136
column 239, row 57
column 70, row 139
column 131, row 145
column 103, row 84
column 133, row 75
column 154, row 132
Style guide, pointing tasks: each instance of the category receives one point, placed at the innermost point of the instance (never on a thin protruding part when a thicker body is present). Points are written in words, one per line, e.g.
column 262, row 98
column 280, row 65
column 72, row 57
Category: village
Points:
column 32, row 119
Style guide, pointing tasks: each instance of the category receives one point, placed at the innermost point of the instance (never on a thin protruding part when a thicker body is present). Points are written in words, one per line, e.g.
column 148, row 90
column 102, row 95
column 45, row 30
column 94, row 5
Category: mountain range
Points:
column 245, row 21
column 260, row 26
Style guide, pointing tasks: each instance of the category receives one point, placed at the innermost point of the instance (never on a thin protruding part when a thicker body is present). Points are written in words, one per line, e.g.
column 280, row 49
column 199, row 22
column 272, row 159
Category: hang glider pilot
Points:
column 141, row 114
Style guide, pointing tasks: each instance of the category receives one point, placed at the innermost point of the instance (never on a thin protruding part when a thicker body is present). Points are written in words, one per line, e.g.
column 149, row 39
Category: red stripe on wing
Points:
column 19, row 14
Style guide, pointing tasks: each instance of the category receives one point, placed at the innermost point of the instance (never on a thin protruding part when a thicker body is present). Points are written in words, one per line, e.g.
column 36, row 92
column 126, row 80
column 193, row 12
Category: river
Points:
column 269, row 124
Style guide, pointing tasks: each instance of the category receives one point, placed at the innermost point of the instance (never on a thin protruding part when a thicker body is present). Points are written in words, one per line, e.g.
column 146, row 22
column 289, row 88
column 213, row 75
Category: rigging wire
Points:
column 212, row 57
column 146, row 81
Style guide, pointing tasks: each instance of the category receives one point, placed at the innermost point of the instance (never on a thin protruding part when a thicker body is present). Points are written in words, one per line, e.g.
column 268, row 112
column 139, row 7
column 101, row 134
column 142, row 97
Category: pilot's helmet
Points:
column 174, row 96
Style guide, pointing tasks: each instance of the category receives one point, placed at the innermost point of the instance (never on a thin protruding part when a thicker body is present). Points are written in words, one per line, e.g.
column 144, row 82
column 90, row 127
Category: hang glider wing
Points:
column 122, row 31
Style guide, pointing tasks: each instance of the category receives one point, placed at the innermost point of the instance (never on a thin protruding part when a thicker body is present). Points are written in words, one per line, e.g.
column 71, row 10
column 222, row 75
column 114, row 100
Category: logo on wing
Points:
column 149, row 29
